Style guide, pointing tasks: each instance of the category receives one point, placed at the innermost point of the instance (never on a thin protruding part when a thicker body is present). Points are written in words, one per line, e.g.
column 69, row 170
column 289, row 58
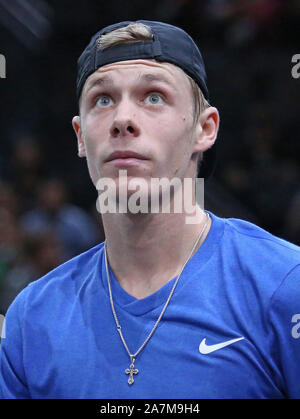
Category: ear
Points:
column 206, row 129
column 76, row 123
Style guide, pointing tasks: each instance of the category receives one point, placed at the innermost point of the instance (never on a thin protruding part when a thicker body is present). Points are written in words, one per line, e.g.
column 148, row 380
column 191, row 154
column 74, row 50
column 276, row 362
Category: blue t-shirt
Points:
column 231, row 330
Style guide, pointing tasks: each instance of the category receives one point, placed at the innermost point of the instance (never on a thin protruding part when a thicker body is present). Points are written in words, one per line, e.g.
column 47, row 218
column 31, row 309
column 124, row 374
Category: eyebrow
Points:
column 150, row 77
column 101, row 81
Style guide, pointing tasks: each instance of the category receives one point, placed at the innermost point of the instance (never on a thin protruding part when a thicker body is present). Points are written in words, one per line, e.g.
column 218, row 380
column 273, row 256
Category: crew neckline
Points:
column 139, row 307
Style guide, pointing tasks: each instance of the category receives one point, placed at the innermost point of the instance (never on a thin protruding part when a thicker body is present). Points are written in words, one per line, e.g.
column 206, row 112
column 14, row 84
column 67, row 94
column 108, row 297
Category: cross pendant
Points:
column 131, row 371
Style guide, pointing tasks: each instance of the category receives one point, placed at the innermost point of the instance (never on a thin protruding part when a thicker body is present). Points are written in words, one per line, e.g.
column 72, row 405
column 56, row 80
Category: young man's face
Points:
column 143, row 107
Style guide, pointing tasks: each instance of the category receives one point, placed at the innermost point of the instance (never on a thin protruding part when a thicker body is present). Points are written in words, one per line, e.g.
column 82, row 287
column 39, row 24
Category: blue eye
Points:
column 104, row 100
column 154, row 99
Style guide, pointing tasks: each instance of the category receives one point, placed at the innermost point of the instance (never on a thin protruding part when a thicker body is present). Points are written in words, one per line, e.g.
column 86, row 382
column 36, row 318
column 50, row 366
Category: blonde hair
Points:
column 135, row 32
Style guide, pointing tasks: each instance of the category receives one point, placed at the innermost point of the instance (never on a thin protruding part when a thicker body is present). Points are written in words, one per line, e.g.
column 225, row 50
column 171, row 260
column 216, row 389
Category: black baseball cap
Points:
column 169, row 44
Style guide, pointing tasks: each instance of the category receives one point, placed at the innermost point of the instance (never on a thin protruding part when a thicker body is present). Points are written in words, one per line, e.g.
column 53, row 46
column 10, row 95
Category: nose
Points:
column 124, row 123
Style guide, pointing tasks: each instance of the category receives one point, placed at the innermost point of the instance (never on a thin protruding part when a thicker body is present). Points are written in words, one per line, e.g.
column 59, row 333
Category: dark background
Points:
column 47, row 201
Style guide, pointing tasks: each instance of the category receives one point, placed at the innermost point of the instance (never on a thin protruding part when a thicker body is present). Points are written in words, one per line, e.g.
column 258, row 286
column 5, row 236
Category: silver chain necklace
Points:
column 133, row 371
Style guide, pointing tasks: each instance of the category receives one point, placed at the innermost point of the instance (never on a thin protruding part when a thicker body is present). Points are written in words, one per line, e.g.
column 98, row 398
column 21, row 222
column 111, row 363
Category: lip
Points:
column 125, row 155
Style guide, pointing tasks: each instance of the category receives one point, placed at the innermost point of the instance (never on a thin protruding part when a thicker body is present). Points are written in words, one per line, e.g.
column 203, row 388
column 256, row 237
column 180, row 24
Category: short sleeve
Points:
column 12, row 374
column 284, row 317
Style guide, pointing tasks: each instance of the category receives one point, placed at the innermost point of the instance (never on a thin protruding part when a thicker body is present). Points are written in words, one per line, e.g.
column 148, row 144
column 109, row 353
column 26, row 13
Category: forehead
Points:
column 145, row 70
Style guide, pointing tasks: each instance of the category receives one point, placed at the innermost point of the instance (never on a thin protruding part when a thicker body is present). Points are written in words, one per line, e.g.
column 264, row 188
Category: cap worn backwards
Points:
column 169, row 44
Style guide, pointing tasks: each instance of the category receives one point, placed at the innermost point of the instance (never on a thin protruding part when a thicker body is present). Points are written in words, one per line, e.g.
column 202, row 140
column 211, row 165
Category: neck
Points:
column 145, row 251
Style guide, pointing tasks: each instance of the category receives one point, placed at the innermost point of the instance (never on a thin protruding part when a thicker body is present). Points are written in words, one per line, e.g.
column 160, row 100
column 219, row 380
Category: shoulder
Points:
column 59, row 285
column 252, row 231
column 260, row 263
column 257, row 245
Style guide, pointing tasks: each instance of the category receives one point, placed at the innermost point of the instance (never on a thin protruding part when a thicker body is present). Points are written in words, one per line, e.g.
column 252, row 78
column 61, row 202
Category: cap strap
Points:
column 130, row 51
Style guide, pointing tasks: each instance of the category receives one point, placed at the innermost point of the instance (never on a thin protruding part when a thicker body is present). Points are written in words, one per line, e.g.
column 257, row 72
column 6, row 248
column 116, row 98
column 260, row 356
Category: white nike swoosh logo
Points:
column 207, row 349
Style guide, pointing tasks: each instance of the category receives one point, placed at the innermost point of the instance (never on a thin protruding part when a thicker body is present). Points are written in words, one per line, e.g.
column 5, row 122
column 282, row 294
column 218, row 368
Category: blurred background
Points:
column 47, row 201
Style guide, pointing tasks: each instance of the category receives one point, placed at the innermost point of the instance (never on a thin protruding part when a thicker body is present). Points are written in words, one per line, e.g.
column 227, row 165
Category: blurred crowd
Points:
column 40, row 227
column 47, row 202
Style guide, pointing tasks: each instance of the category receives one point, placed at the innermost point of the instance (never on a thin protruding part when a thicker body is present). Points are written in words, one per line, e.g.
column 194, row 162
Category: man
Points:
column 163, row 308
